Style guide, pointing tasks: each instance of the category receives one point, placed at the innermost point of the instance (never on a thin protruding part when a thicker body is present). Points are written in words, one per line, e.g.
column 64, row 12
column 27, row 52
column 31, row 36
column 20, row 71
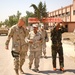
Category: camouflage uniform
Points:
column 18, row 44
column 35, row 48
column 56, row 37
column 45, row 39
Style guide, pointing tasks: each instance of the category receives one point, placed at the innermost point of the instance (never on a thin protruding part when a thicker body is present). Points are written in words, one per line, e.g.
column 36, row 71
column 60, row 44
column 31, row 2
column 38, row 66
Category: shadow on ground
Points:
column 58, row 71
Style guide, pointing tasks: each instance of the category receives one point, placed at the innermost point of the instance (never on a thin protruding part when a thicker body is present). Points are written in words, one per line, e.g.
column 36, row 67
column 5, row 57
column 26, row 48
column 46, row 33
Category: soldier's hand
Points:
column 24, row 26
column 39, row 41
column 31, row 41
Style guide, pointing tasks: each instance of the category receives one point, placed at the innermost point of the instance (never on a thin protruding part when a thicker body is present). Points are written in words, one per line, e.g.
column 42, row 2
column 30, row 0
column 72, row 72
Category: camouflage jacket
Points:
column 56, row 35
column 18, row 37
column 35, row 46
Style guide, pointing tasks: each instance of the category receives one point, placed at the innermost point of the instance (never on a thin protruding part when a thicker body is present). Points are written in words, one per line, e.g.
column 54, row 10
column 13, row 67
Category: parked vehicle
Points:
column 4, row 31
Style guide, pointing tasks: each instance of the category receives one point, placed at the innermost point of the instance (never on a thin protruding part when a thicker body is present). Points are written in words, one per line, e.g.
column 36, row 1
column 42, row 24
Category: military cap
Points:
column 22, row 18
column 35, row 25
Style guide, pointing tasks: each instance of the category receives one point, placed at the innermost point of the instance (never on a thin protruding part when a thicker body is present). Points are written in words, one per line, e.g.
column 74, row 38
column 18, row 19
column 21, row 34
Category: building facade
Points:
column 67, row 14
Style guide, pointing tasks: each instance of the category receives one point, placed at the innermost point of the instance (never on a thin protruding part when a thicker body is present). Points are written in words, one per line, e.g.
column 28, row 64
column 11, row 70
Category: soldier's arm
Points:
column 46, row 36
column 41, row 38
column 10, row 34
column 63, row 29
column 27, row 39
column 52, row 33
column 27, row 32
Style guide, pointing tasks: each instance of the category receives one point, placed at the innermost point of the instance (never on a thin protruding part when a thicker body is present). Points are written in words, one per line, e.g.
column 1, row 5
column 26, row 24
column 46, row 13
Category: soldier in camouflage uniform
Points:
column 18, row 33
column 35, row 39
column 56, row 37
column 45, row 39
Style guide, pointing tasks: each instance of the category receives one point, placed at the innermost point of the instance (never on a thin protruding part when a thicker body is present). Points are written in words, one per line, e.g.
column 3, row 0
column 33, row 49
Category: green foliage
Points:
column 40, row 10
column 6, row 22
column 18, row 15
column 1, row 23
column 13, row 19
column 28, row 14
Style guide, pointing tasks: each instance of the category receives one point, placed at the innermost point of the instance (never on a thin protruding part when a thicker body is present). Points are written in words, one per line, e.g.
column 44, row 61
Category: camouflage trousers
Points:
column 43, row 49
column 59, row 50
column 34, row 56
column 19, row 61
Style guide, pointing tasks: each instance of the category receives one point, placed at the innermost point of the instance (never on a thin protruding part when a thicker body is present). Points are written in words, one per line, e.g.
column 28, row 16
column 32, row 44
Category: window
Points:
column 56, row 15
column 59, row 14
column 68, row 13
column 73, row 12
column 63, row 14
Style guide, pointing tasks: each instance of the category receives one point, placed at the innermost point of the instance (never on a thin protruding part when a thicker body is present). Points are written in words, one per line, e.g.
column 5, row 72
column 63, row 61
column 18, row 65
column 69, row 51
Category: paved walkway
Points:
column 68, row 40
column 6, row 62
column 69, row 44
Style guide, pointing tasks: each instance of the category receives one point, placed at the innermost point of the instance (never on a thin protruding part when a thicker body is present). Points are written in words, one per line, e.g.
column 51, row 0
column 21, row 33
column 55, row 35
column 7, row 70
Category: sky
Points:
column 10, row 7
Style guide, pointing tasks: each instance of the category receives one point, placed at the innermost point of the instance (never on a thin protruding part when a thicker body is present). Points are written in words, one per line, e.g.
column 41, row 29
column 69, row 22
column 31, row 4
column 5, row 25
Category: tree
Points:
column 1, row 23
column 13, row 19
column 18, row 15
column 44, row 11
column 6, row 22
column 28, row 14
column 40, row 10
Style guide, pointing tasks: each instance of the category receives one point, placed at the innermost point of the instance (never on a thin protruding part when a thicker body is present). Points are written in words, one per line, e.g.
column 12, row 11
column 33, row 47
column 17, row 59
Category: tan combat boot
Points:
column 16, row 70
column 54, row 69
column 30, row 65
column 21, row 70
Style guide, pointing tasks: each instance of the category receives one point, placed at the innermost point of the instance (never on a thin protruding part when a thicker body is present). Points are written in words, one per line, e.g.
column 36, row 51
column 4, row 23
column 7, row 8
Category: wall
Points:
column 71, row 26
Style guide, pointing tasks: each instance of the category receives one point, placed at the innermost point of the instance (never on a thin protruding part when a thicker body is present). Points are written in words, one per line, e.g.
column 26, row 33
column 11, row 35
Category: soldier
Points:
column 35, row 39
column 56, row 37
column 45, row 39
column 18, row 33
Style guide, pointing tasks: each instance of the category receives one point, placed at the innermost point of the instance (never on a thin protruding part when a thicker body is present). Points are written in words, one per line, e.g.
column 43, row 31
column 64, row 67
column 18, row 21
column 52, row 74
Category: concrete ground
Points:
column 69, row 43
column 45, row 66
column 68, row 40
